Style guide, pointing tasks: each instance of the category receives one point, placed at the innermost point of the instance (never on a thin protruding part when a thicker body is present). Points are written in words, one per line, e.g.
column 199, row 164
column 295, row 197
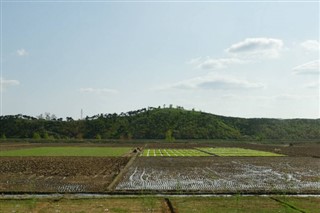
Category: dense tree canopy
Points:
column 157, row 123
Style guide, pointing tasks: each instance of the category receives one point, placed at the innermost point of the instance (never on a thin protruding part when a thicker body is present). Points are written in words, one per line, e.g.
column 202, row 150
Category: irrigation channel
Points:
column 100, row 195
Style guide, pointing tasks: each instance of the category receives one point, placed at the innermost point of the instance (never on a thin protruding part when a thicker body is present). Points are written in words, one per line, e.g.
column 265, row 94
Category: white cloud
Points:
column 257, row 48
column 8, row 83
column 98, row 90
column 312, row 85
column 287, row 97
column 22, row 52
column 210, row 82
column 212, row 63
column 310, row 45
column 311, row 67
column 242, row 52
column 226, row 84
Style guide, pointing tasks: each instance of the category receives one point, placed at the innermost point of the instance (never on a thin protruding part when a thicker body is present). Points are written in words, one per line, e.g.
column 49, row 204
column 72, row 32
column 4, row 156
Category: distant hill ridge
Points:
column 158, row 123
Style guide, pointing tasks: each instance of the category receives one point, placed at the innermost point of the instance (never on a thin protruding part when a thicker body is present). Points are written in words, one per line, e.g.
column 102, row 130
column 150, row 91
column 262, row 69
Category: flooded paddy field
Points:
column 224, row 175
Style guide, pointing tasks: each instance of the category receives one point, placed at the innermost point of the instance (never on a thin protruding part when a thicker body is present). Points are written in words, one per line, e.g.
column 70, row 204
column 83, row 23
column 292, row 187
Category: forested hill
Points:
column 158, row 123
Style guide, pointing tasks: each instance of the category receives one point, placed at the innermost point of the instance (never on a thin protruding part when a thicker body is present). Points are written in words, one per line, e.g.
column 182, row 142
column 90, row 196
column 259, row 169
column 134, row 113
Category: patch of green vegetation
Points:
column 119, row 210
column 239, row 152
column 239, row 204
column 228, row 204
column 150, row 203
column 68, row 151
column 305, row 204
column 116, row 205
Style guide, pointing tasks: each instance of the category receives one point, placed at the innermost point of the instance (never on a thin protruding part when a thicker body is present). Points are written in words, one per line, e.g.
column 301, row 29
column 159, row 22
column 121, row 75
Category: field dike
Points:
column 118, row 178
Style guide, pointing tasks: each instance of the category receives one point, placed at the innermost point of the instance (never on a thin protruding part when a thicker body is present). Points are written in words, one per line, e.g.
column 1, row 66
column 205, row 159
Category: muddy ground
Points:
column 26, row 145
column 224, row 175
column 59, row 174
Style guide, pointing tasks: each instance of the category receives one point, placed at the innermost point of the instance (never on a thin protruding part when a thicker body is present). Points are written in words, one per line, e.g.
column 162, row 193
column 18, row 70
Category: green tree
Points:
column 98, row 137
column 169, row 136
column 36, row 136
column 3, row 136
column 45, row 135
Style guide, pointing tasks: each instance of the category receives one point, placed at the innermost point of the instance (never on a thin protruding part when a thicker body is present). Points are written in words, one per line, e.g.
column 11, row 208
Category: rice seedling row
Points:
column 173, row 153
column 225, row 152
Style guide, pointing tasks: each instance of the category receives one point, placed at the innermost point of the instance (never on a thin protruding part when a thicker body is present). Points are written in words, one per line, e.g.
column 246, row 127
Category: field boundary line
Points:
column 23, row 195
column 206, row 152
column 169, row 205
column 117, row 179
column 287, row 204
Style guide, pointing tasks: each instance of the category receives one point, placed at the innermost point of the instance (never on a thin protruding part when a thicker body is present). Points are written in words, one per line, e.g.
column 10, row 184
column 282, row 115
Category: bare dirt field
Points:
column 27, row 145
column 58, row 174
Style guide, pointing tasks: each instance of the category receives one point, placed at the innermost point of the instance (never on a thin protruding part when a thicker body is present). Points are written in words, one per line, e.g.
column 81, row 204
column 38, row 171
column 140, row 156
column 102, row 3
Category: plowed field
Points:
column 58, row 174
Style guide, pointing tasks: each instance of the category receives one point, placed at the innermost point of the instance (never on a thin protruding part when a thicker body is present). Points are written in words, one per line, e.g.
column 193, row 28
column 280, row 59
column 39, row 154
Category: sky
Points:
column 243, row 59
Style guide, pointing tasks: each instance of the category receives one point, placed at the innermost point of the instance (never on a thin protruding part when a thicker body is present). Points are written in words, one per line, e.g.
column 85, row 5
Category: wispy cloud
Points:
column 22, row 52
column 211, row 82
column 212, row 63
column 98, row 90
column 279, row 97
column 310, row 45
column 8, row 83
column 311, row 67
column 257, row 48
column 246, row 51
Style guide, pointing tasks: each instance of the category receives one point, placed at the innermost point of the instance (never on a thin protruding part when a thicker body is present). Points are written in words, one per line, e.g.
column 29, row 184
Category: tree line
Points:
column 157, row 123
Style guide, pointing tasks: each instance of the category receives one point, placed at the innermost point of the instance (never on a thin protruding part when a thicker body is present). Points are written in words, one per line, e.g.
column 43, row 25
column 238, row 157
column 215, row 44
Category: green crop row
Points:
column 68, row 151
column 173, row 153
column 239, row 152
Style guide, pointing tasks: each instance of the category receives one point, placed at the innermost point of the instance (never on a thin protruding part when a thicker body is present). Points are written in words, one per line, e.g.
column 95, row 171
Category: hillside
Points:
column 158, row 123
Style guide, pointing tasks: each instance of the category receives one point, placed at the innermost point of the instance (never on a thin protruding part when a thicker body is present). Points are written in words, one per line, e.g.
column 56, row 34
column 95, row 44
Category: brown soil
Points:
column 19, row 145
column 58, row 174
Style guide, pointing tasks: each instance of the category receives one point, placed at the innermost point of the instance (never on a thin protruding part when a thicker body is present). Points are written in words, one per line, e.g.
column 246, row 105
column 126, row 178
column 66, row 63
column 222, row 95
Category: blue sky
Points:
column 234, row 59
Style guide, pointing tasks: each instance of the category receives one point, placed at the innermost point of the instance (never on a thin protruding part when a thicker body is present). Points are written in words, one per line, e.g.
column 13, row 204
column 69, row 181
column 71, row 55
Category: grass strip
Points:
column 287, row 204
